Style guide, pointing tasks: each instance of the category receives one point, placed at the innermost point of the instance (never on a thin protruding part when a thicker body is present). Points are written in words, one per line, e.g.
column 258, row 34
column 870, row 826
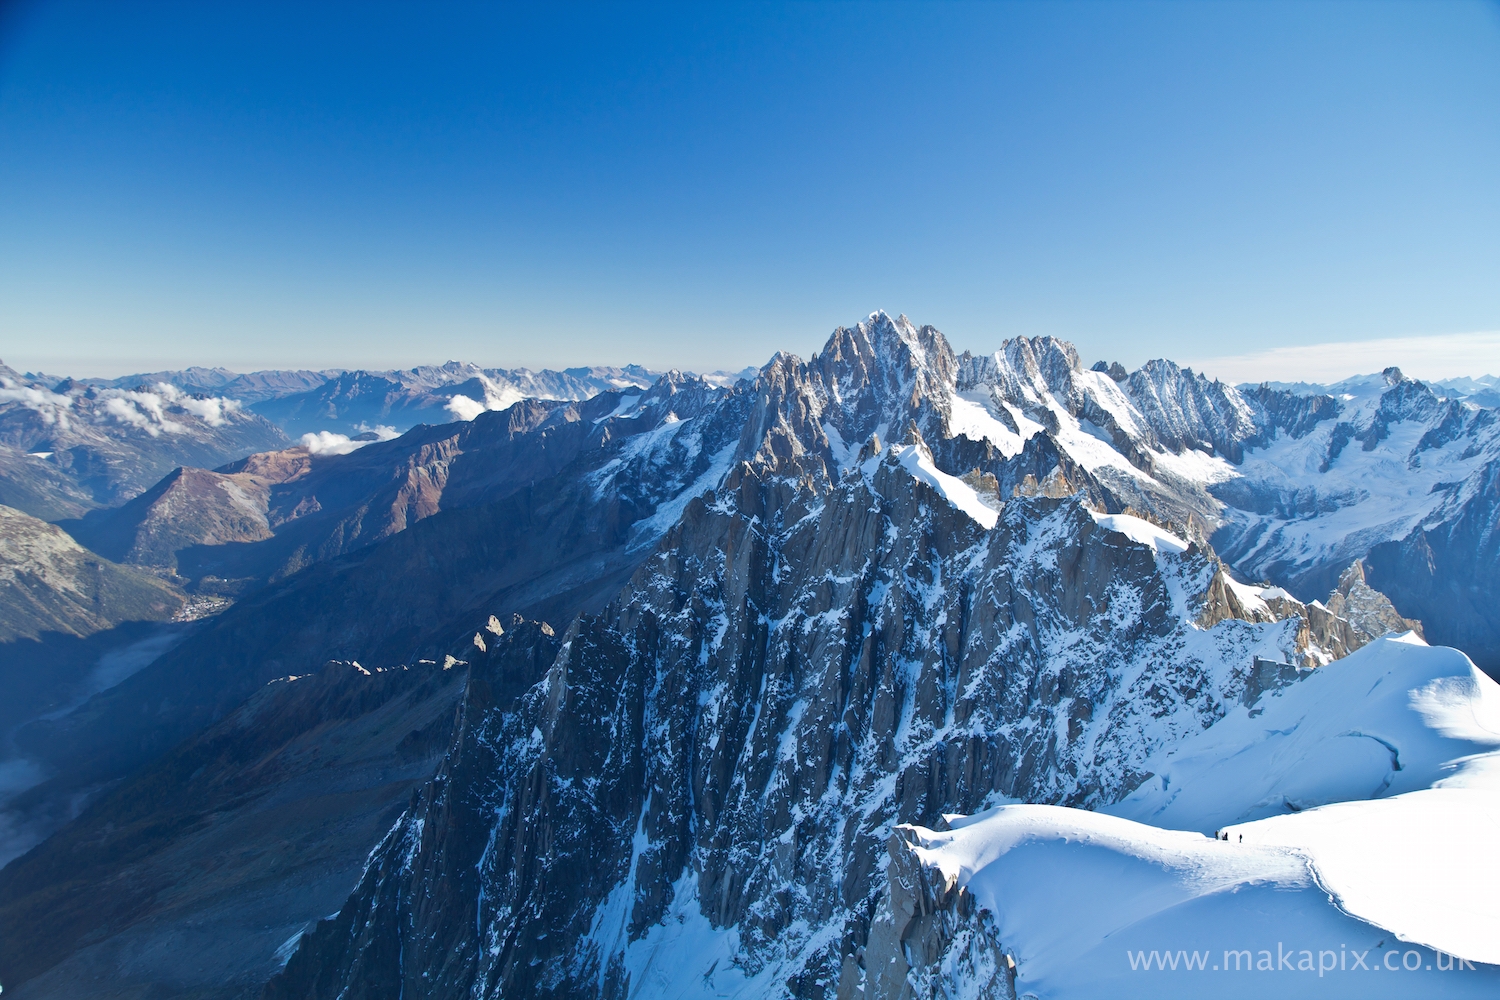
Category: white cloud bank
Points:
column 464, row 408
column 1440, row 356
column 497, row 396
column 147, row 410
column 333, row 443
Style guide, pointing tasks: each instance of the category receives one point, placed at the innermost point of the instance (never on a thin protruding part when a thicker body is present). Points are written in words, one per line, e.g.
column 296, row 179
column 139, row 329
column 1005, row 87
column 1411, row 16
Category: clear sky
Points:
column 266, row 185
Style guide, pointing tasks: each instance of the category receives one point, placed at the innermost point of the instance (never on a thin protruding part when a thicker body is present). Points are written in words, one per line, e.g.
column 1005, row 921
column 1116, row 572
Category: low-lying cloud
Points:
column 212, row 410
column 464, row 408
column 149, row 410
column 334, row 443
column 497, row 396
column 330, row 443
column 50, row 406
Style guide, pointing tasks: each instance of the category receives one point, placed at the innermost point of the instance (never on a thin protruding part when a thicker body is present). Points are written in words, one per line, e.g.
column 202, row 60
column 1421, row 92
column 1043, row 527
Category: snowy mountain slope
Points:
column 706, row 777
column 1416, row 729
column 1394, row 717
column 1323, row 498
column 1379, row 779
column 1088, row 905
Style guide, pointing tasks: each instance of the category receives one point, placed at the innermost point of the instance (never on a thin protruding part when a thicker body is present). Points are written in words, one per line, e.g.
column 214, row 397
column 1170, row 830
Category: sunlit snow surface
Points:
column 1139, row 530
column 918, row 462
column 1404, row 871
column 971, row 414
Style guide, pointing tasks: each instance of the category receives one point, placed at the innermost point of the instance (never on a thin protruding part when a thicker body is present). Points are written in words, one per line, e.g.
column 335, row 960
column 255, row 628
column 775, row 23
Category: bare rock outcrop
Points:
column 929, row 939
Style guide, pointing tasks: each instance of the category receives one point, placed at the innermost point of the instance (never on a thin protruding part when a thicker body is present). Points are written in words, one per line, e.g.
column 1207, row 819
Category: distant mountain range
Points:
column 1482, row 391
column 676, row 685
column 351, row 401
column 68, row 446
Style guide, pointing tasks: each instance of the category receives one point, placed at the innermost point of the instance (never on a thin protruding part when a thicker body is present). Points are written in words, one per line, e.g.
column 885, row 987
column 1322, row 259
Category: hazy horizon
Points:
column 1432, row 358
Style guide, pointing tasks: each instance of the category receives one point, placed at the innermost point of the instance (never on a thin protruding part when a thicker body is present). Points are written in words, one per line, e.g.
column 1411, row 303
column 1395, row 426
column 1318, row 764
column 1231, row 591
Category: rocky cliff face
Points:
column 930, row 939
column 708, row 773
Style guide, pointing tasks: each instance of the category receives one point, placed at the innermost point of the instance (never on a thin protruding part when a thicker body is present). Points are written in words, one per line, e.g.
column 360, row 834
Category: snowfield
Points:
column 1358, row 806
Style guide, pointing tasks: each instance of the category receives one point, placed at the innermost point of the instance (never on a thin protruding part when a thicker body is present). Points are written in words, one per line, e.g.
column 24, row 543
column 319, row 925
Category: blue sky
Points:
column 266, row 185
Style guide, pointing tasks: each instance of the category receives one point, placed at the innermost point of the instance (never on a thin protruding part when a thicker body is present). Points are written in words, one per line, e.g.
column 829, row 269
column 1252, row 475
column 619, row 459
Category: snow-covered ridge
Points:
column 917, row 461
column 1392, row 462
column 1143, row 531
column 1351, row 806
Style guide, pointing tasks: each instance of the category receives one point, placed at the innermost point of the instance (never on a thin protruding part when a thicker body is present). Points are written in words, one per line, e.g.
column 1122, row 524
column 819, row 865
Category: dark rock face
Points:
column 1368, row 611
column 929, row 939
column 1186, row 410
column 457, row 846
column 1289, row 412
column 1448, row 573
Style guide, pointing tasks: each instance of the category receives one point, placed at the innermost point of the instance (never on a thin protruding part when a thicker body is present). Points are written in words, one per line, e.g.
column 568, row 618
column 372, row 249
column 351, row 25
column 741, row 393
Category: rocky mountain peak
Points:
column 1113, row 369
column 1187, row 410
column 883, row 364
column 1026, row 370
column 870, row 379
